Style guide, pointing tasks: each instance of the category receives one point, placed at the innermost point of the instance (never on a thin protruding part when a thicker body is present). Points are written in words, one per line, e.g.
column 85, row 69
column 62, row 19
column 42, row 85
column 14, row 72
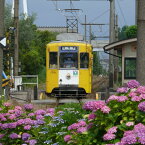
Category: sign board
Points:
column 68, row 48
column 3, row 41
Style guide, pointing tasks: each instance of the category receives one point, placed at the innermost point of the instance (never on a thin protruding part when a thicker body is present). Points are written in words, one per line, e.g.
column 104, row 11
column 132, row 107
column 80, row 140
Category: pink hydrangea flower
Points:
column 136, row 99
column 130, row 139
column 122, row 98
column 67, row 138
column 82, row 129
column 109, row 136
column 1, row 135
column 40, row 112
column 112, row 130
column 141, row 106
column 133, row 84
column 28, row 106
column 7, row 104
column 105, row 109
column 13, row 136
column 82, row 123
column 93, row 105
column 129, row 123
column 140, row 90
column 113, row 97
column 91, row 116
column 18, row 108
column 132, row 94
column 27, row 127
column 122, row 90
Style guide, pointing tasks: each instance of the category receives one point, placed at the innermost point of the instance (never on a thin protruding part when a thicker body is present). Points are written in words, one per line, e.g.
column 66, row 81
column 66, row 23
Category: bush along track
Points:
column 119, row 121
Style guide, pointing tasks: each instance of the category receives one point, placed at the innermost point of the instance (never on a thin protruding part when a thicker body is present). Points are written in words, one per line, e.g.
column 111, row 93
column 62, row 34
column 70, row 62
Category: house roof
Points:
column 118, row 43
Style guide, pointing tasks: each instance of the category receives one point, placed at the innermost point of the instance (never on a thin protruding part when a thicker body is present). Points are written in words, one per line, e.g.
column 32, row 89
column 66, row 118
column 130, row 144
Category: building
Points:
column 125, row 50
column 53, row 29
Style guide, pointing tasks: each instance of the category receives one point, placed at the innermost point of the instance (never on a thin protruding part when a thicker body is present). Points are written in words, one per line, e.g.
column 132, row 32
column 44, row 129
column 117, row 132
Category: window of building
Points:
column 84, row 60
column 53, row 60
column 130, row 68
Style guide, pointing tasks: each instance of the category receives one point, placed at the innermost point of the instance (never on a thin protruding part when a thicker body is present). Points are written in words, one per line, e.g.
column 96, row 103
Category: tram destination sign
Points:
column 69, row 48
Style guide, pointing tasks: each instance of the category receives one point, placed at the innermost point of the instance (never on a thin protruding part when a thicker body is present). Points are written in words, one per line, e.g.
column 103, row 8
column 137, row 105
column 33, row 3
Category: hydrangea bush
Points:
column 23, row 125
column 119, row 121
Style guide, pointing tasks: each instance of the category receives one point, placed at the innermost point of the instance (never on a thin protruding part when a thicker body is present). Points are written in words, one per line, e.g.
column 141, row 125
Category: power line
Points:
column 122, row 12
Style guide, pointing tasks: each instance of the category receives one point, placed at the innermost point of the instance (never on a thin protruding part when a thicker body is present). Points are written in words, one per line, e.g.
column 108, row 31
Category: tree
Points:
column 127, row 32
column 97, row 68
column 131, row 31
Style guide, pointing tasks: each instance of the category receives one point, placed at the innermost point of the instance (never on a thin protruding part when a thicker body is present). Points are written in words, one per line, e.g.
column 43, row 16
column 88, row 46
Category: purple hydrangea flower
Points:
column 31, row 114
column 133, row 84
column 113, row 97
column 82, row 123
column 13, row 136
column 73, row 126
column 91, row 116
column 93, row 105
column 25, row 136
column 1, row 136
column 141, row 106
column 18, row 108
column 82, row 129
column 27, row 127
column 122, row 98
column 28, row 106
column 32, row 141
column 136, row 99
column 105, row 109
column 67, row 138
column 140, row 90
column 109, row 136
column 122, row 90
column 132, row 94
column 40, row 112
column 112, row 130
column 130, row 139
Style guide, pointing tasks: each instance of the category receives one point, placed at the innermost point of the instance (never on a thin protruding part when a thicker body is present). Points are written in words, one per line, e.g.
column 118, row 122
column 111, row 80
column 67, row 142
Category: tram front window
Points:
column 69, row 60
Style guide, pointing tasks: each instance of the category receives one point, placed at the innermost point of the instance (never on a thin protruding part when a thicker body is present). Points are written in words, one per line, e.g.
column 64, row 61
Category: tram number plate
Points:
column 68, row 48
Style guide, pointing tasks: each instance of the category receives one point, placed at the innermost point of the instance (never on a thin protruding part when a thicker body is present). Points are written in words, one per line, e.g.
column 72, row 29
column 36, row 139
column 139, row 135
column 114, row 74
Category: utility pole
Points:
column 136, row 7
column 115, row 52
column 90, row 29
column 2, row 5
column 112, row 39
column 16, row 47
column 140, row 68
column 85, row 27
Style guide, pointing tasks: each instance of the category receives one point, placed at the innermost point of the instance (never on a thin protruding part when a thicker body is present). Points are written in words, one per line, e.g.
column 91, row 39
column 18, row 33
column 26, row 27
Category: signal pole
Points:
column 16, row 47
column 112, row 39
column 2, row 4
column 140, row 68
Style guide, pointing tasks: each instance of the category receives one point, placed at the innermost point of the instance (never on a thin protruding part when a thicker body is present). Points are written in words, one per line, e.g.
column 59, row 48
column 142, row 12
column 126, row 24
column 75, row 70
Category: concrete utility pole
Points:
column 140, row 68
column 2, row 4
column 136, row 7
column 16, row 49
column 112, row 39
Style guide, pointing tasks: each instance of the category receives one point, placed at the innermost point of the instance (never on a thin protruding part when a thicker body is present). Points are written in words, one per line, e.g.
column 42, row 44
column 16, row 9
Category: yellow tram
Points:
column 69, row 68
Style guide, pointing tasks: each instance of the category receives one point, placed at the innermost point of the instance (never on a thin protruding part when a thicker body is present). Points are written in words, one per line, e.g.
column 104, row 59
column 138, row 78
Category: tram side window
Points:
column 84, row 60
column 53, row 60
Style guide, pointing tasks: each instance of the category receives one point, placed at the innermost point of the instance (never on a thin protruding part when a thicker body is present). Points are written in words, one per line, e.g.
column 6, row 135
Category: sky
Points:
column 51, row 13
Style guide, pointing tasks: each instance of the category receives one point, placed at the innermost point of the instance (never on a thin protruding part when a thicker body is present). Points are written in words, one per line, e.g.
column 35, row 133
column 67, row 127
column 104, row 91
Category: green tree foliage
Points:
column 127, row 32
column 7, row 17
column 32, row 43
column 97, row 68
column 131, row 31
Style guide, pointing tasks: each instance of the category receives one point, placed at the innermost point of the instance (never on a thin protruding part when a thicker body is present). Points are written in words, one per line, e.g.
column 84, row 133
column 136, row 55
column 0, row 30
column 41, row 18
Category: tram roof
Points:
column 69, row 41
